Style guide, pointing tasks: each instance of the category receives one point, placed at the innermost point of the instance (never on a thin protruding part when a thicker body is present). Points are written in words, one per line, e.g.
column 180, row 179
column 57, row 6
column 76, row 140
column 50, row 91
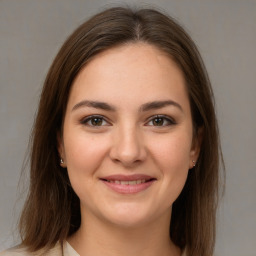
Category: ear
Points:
column 196, row 146
column 61, row 150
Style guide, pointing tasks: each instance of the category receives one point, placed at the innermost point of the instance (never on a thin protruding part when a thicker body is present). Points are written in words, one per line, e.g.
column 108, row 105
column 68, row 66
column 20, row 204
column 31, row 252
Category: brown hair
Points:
column 52, row 211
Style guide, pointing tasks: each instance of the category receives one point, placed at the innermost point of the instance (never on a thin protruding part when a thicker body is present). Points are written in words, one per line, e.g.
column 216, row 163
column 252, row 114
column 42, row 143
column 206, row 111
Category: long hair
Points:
column 52, row 209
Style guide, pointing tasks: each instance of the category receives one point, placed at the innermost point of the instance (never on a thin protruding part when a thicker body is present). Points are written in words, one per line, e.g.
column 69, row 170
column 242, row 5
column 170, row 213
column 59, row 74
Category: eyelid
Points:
column 168, row 118
column 85, row 120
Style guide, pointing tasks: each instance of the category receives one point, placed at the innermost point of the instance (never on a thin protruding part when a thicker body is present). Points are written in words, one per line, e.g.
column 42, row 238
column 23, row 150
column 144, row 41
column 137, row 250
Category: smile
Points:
column 128, row 184
column 123, row 182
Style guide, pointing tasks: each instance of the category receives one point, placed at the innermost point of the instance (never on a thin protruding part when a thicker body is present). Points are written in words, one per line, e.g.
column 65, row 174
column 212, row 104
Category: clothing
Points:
column 68, row 250
column 55, row 251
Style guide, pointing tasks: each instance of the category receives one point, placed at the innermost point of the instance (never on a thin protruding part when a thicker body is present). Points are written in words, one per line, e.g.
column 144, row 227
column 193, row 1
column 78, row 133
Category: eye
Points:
column 160, row 120
column 94, row 121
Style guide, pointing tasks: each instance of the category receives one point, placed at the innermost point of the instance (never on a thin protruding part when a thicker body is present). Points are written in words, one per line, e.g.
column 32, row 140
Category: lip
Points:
column 128, row 177
column 109, row 181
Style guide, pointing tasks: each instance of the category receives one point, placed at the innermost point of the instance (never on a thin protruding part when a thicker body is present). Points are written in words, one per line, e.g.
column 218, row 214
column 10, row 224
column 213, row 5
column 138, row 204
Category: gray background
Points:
column 32, row 31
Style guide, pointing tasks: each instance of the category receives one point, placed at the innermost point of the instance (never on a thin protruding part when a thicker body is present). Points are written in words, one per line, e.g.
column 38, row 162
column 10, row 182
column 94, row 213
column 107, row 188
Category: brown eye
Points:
column 161, row 121
column 94, row 121
column 158, row 121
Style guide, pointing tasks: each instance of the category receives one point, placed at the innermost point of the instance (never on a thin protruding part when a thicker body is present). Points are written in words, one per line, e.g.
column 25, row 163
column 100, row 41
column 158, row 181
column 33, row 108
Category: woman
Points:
column 125, row 146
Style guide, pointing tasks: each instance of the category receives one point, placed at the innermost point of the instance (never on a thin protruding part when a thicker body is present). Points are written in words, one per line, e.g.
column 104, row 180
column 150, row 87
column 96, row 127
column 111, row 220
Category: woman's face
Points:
column 127, row 137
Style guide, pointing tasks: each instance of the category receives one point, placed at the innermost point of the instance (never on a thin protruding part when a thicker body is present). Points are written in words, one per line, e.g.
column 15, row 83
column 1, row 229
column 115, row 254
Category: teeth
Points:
column 131, row 182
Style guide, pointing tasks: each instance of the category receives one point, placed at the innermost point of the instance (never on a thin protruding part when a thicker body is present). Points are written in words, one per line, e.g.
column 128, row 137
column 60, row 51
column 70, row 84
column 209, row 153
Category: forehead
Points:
column 132, row 71
column 145, row 57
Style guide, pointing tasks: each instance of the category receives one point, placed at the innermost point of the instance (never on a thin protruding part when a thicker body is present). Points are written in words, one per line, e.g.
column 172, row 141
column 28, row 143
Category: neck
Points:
column 100, row 238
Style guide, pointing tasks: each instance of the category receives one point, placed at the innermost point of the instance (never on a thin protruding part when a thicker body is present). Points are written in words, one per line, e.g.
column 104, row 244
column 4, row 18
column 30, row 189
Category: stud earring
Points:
column 194, row 163
column 61, row 161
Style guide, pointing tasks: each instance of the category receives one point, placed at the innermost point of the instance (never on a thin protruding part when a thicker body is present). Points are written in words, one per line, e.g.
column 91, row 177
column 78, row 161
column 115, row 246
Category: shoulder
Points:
column 17, row 251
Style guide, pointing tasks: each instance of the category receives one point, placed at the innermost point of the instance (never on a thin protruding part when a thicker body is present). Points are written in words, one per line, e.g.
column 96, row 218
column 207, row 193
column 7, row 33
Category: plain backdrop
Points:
column 31, row 33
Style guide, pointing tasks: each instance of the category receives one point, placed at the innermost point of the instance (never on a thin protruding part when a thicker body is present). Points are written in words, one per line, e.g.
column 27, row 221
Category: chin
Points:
column 128, row 216
column 128, row 222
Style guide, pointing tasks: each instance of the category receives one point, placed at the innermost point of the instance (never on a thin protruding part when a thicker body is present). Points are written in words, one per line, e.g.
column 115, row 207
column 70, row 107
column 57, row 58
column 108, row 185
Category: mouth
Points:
column 128, row 184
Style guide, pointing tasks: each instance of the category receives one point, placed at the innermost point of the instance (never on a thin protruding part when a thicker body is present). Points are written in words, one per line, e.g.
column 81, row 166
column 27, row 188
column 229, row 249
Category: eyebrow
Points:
column 145, row 107
column 159, row 104
column 94, row 104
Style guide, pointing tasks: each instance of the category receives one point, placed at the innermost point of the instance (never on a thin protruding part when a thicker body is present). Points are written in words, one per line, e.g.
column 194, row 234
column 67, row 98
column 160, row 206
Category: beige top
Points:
column 55, row 251
column 69, row 250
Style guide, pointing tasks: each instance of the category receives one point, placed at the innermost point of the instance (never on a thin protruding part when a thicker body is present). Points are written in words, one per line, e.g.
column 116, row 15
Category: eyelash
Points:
column 88, row 119
column 170, row 121
column 165, row 119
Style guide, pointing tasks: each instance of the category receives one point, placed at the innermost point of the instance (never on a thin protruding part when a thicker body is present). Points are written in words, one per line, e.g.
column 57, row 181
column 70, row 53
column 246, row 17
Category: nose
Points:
column 128, row 147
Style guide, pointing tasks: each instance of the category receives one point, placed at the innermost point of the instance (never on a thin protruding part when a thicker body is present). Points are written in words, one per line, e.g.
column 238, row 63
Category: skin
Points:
column 128, row 140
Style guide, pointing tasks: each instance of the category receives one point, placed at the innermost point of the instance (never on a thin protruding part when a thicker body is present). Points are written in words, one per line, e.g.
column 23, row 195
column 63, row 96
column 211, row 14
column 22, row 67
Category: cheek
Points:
column 172, row 156
column 84, row 152
column 173, row 153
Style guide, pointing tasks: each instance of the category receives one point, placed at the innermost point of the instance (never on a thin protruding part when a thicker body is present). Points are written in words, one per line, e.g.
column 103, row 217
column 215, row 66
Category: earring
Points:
column 194, row 163
column 61, row 161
